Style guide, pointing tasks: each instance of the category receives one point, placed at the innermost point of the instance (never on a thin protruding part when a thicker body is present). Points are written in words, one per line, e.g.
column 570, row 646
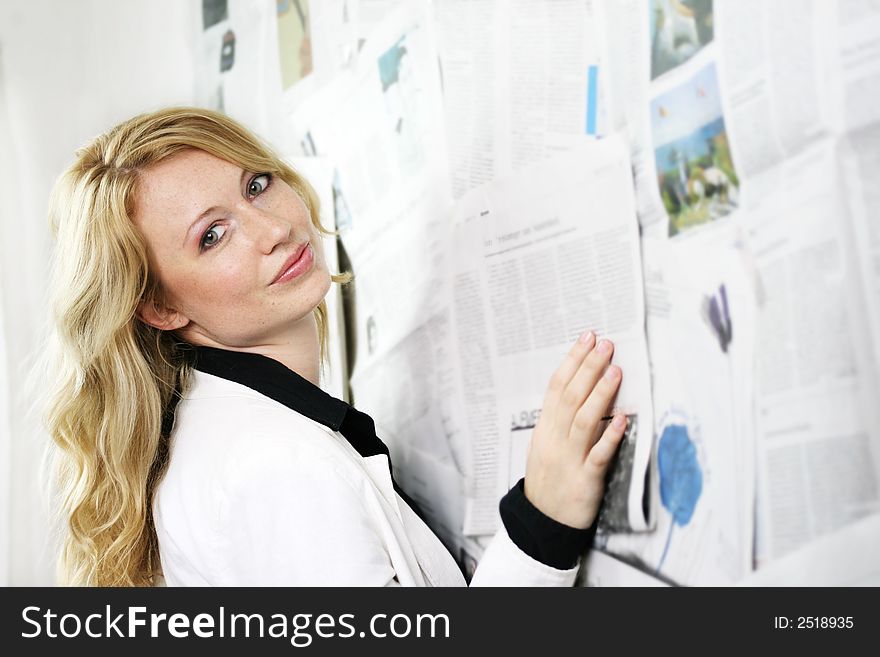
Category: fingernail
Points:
column 619, row 422
column 612, row 372
column 586, row 337
column 604, row 347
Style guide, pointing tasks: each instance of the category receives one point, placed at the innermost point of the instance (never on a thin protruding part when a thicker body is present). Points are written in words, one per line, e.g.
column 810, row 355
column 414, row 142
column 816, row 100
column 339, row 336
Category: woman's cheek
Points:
column 231, row 279
column 318, row 249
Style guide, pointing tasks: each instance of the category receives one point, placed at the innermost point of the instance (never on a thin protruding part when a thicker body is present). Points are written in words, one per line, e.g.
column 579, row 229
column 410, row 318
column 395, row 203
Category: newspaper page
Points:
column 412, row 391
column 817, row 447
column 601, row 569
column 541, row 257
column 666, row 56
column 382, row 126
column 856, row 114
column 700, row 324
column 846, row 557
column 318, row 39
column 521, row 83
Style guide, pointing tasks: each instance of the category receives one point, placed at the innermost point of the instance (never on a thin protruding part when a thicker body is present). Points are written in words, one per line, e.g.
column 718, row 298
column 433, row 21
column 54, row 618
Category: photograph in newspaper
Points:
column 695, row 172
column 679, row 29
column 402, row 92
column 294, row 41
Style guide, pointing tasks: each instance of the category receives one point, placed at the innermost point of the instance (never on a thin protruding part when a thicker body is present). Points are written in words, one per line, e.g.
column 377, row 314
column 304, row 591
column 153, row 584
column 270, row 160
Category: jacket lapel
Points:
column 382, row 500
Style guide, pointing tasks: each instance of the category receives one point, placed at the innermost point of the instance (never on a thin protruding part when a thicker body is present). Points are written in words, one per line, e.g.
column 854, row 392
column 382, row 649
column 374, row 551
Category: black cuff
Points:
column 539, row 536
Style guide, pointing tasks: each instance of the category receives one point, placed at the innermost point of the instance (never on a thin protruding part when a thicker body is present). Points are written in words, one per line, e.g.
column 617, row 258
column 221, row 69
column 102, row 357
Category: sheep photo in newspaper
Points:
column 695, row 172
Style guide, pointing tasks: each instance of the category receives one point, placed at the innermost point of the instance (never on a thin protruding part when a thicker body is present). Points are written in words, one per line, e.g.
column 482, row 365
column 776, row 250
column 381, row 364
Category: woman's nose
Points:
column 266, row 230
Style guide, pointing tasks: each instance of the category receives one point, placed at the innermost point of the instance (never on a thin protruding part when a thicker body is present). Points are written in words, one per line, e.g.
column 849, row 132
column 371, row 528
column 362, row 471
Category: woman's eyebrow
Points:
column 196, row 222
column 205, row 213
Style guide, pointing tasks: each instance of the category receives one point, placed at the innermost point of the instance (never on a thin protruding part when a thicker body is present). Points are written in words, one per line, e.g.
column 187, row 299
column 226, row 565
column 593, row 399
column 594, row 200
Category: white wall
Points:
column 69, row 70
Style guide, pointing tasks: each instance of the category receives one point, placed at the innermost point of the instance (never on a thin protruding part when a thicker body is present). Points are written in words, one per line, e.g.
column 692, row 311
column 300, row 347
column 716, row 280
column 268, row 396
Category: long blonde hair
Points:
column 115, row 380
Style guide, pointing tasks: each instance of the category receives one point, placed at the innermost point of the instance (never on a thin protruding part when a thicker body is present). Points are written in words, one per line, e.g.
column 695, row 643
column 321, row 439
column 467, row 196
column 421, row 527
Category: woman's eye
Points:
column 259, row 184
column 213, row 235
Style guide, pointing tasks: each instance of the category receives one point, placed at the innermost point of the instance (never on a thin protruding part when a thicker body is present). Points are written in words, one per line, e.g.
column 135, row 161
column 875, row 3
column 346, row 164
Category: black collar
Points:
column 276, row 381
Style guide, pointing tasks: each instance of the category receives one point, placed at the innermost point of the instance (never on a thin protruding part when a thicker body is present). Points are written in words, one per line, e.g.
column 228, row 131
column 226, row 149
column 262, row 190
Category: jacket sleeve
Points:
column 294, row 520
column 532, row 549
column 504, row 564
column 540, row 536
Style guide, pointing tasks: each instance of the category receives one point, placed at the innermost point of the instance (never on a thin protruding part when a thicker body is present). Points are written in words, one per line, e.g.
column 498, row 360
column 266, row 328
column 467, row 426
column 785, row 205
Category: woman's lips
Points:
column 297, row 264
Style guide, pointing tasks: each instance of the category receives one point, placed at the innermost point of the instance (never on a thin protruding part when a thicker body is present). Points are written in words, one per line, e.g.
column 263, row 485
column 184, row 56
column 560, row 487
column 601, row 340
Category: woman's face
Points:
column 220, row 240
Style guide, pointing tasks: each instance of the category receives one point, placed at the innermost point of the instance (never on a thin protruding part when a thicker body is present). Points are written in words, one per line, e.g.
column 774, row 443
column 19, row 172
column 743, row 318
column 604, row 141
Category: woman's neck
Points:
column 298, row 350
column 300, row 353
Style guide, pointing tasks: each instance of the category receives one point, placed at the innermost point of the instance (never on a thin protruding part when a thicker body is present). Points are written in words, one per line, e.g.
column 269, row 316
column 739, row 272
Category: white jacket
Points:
column 258, row 494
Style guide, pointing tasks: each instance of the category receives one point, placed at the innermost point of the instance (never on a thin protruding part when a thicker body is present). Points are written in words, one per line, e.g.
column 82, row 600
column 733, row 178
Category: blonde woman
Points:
column 193, row 440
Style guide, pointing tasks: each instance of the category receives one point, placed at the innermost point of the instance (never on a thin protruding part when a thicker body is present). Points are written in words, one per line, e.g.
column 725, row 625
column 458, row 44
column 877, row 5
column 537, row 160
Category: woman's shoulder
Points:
column 221, row 422
column 237, row 457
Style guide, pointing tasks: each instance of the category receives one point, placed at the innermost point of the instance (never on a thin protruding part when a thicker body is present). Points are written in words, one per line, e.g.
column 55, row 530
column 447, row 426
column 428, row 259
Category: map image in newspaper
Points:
column 681, row 478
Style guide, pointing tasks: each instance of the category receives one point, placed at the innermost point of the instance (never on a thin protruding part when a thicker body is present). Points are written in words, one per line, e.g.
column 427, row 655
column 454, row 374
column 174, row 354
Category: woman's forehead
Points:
column 183, row 183
column 192, row 161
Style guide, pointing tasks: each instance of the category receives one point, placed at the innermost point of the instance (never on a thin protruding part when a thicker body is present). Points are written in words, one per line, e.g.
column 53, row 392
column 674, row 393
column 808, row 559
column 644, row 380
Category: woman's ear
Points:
column 160, row 317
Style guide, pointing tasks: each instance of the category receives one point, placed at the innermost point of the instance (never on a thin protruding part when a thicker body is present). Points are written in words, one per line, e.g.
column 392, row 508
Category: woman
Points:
column 194, row 441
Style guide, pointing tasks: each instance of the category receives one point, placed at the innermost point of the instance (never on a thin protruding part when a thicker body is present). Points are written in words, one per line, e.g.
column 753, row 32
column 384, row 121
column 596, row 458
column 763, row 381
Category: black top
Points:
column 539, row 536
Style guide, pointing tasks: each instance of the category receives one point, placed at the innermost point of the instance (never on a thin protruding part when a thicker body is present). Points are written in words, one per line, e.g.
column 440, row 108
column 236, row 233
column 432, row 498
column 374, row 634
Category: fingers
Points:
column 603, row 451
column 566, row 371
column 581, row 387
column 583, row 427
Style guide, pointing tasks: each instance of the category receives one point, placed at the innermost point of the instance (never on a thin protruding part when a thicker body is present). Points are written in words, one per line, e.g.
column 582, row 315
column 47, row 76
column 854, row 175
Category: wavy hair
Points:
column 115, row 380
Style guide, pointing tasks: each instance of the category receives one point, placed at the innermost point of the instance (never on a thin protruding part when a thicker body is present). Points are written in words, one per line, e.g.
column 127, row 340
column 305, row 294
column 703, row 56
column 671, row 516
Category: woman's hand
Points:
column 567, row 459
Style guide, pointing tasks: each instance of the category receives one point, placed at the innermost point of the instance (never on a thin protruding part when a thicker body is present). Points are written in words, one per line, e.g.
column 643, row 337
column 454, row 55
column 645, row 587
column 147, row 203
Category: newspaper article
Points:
column 521, row 83
column 818, row 466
